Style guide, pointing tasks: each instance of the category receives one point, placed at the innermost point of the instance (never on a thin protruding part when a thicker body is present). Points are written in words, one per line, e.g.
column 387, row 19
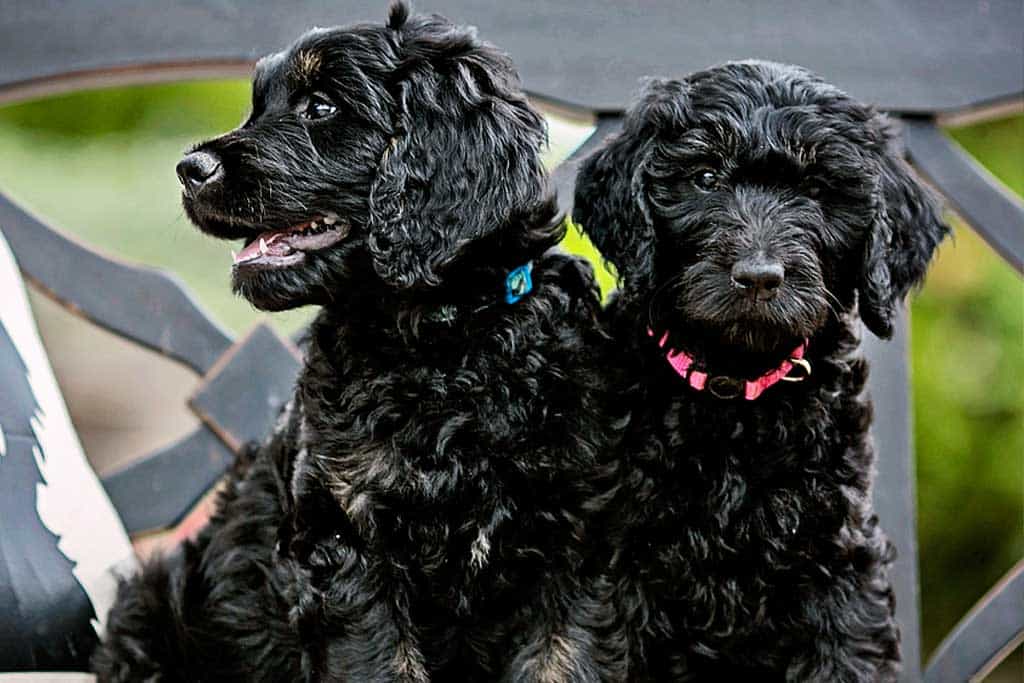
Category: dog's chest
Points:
column 756, row 491
column 395, row 422
column 426, row 416
column 450, row 467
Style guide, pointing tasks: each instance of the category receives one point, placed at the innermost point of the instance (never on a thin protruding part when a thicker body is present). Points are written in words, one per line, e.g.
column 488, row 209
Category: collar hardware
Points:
column 805, row 371
column 794, row 369
column 519, row 283
column 725, row 387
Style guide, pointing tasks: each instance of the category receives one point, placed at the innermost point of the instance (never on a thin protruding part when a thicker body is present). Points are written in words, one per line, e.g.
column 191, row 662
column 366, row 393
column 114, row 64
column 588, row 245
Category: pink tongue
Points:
column 274, row 247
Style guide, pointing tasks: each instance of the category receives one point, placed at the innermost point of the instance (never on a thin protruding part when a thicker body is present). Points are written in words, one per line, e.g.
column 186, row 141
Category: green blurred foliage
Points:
column 968, row 366
column 101, row 166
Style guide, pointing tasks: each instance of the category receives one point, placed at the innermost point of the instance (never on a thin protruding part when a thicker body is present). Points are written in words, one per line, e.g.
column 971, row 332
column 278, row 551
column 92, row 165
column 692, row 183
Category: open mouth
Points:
column 289, row 246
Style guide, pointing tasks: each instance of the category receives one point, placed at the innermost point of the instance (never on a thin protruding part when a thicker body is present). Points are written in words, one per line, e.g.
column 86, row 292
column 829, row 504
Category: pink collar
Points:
column 724, row 386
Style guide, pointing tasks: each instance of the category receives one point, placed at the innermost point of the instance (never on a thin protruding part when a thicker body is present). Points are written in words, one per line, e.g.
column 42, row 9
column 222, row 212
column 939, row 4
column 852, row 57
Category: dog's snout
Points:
column 758, row 278
column 198, row 169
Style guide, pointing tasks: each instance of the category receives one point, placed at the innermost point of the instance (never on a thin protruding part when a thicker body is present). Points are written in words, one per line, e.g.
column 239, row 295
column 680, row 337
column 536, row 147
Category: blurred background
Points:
column 100, row 166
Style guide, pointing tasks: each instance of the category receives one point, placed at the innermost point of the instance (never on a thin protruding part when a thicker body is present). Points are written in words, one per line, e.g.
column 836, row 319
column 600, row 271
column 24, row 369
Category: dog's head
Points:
column 744, row 205
column 372, row 151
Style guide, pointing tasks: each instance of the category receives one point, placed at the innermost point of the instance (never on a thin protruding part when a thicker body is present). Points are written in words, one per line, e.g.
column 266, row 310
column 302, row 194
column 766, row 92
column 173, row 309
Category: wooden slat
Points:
column 985, row 636
column 564, row 175
column 242, row 395
column 995, row 212
column 894, row 491
column 905, row 55
column 158, row 491
column 146, row 306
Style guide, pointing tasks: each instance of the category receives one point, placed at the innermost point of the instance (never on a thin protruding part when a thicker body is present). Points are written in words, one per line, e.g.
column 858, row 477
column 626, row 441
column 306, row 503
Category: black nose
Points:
column 758, row 278
column 198, row 169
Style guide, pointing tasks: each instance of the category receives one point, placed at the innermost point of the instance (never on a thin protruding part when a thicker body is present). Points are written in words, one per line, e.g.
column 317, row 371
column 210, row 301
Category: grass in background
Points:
column 101, row 166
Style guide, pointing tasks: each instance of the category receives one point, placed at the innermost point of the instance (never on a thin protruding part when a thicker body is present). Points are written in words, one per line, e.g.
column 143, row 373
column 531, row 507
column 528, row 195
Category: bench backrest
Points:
column 919, row 60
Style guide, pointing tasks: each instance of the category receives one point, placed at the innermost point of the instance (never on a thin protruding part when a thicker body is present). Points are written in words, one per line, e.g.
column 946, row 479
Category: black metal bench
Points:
column 923, row 61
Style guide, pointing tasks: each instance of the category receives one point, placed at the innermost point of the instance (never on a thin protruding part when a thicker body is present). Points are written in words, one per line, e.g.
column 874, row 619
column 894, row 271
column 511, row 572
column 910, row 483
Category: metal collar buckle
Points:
column 723, row 386
column 805, row 371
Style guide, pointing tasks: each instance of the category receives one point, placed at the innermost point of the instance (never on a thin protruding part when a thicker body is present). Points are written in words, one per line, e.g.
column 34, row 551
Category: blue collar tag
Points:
column 519, row 283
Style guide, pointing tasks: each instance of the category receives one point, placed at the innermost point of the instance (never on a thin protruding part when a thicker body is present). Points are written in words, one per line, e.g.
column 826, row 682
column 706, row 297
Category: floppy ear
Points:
column 610, row 202
column 464, row 158
column 907, row 227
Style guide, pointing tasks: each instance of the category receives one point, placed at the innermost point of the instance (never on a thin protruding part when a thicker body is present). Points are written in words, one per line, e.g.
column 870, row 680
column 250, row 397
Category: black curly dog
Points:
column 751, row 212
column 428, row 489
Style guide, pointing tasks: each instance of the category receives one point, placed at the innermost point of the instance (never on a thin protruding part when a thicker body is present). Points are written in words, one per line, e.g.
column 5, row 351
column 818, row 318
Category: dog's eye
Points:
column 705, row 180
column 318, row 107
column 813, row 191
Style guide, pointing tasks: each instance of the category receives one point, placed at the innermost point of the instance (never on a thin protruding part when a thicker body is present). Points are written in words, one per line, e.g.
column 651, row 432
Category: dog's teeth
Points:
column 330, row 220
column 234, row 256
column 263, row 246
column 314, row 225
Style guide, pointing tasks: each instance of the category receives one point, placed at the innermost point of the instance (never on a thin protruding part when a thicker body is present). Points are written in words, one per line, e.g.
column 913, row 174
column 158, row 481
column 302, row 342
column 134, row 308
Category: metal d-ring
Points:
column 798, row 363
column 722, row 386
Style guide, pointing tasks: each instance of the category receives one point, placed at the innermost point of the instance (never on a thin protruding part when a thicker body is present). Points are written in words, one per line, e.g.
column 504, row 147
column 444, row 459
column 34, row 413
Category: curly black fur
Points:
column 747, row 547
column 218, row 610
column 433, row 478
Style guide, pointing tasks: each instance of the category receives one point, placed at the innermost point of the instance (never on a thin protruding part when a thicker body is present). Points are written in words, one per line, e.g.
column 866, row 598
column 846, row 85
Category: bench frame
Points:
column 153, row 309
